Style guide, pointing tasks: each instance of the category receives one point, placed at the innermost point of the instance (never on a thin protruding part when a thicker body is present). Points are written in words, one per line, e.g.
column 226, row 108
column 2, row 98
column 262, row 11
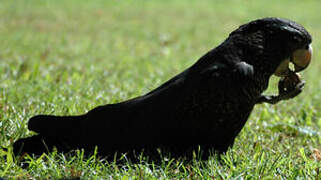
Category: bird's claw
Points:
column 284, row 93
column 294, row 92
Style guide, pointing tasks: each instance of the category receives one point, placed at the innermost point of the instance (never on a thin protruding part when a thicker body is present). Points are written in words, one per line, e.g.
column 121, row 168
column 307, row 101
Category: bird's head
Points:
column 296, row 46
column 300, row 58
column 283, row 41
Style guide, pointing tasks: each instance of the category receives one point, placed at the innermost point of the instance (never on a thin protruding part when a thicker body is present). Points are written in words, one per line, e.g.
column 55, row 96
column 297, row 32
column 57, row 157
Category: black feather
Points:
column 206, row 105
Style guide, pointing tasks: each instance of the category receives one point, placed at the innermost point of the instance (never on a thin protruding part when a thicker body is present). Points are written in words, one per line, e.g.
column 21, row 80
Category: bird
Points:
column 202, row 108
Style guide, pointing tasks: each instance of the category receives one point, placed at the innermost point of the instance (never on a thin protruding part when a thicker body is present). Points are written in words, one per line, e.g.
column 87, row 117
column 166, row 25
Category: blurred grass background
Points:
column 66, row 57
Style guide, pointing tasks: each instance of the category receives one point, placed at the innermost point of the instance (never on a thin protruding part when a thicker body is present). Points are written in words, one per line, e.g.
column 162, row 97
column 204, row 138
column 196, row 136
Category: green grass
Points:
column 66, row 57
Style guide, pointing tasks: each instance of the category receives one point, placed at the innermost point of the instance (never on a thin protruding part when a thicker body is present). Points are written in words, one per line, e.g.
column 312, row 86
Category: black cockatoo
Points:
column 203, row 107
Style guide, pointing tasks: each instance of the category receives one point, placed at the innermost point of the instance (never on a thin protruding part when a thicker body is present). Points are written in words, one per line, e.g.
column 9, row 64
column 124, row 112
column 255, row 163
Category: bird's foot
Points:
column 291, row 93
column 289, row 87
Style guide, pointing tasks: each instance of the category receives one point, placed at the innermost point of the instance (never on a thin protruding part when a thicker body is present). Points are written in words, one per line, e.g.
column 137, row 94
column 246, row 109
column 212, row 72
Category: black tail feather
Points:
column 34, row 145
column 55, row 126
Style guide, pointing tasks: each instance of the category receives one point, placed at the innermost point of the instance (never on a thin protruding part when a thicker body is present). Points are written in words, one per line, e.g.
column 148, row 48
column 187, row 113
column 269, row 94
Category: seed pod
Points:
column 288, row 83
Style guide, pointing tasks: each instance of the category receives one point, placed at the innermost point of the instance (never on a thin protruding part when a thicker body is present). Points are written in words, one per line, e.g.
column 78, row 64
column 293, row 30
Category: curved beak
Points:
column 300, row 58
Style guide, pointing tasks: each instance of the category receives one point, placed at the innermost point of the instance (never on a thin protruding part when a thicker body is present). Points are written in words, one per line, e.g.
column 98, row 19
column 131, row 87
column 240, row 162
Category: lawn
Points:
column 67, row 57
